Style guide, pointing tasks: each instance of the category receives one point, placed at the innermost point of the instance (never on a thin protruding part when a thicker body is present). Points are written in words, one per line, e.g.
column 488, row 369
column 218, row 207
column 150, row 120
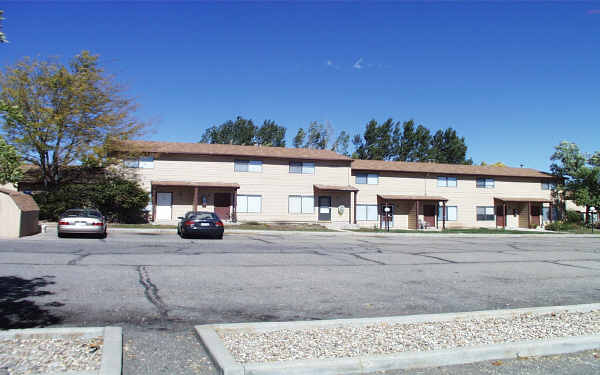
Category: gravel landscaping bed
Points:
column 34, row 355
column 382, row 338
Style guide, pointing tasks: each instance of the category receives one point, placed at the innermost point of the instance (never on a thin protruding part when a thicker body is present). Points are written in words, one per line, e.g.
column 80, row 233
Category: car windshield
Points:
column 82, row 213
column 201, row 216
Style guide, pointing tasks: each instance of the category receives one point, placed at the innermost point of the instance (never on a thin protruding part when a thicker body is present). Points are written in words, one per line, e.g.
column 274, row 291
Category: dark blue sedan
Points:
column 200, row 224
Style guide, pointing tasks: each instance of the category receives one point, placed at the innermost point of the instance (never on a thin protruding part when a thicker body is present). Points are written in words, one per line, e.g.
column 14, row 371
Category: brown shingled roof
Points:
column 457, row 169
column 335, row 187
column 412, row 198
column 24, row 201
column 229, row 150
column 197, row 184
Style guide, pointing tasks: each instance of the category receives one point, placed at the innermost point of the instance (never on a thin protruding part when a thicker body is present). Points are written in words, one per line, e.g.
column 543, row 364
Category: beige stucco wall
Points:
column 274, row 184
column 10, row 217
column 466, row 195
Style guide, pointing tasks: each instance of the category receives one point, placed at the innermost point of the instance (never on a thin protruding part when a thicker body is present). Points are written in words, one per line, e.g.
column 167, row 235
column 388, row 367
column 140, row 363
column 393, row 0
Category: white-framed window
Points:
column 445, row 181
column 451, row 213
column 302, row 167
column 249, row 204
column 548, row 185
column 366, row 212
column 486, row 213
column 254, row 166
column 301, row 204
column 143, row 162
column 367, row 178
column 486, row 183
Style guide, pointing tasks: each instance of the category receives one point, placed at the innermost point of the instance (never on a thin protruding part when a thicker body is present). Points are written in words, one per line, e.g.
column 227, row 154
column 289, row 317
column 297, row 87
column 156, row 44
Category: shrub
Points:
column 119, row 199
column 574, row 217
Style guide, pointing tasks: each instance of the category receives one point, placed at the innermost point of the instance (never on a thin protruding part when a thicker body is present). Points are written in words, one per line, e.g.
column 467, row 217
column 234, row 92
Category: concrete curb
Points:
column 112, row 349
column 404, row 360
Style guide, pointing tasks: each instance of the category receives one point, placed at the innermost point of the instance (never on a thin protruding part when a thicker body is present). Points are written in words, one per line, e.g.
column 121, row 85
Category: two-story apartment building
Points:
column 275, row 184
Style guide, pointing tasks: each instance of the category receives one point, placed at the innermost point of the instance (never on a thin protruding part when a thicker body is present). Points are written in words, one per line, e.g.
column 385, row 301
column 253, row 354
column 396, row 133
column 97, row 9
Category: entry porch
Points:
column 411, row 211
column 522, row 212
column 172, row 199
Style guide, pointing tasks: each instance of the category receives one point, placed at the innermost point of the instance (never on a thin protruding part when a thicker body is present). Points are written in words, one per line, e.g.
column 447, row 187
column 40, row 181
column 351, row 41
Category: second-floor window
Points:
column 248, row 166
column 548, row 185
column 302, row 167
column 143, row 162
column 486, row 183
column 444, row 181
column 367, row 178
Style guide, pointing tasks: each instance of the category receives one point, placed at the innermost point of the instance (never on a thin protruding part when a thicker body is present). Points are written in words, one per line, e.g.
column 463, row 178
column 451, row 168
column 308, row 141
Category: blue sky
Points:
column 514, row 79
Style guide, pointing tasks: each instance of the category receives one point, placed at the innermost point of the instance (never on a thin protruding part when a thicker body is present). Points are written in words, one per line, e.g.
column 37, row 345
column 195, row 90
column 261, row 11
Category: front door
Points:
column 164, row 203
column 429, row 214
column 535, row 215
column 500, row 216
column 223, row 205
column 324, row 208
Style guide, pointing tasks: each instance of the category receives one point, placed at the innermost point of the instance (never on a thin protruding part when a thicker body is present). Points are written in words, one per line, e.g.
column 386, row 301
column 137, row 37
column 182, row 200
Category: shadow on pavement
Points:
column 16, row 311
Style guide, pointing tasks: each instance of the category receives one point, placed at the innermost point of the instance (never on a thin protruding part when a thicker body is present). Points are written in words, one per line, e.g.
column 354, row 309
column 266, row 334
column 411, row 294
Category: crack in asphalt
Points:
column 151, row 293
column 368, row 260
column 74, row 262
column 438, row 258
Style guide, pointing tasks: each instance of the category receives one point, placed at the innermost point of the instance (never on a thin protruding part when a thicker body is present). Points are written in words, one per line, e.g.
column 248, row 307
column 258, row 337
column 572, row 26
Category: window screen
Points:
column 485, row 213
column 451, row 213
column 308, row 168
column 295, row 167
column 361, row 178
column 308, row 204
column 255, row 166
column 294, row 204
column 372, row 179
column 249, row 203
column 241, row 165
column 486, row 183
column 366, row 212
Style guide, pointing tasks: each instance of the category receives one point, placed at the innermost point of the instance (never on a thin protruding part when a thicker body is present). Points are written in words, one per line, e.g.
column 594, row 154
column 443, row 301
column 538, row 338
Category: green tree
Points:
column 10, row 164
column 239, row 132
column 271, row 134
column 447, row 147
column 376, row 142
column 299, row 138
column 410, row 143
column 578, row 174
column 496, row 164
column 341, row 143
column 66, row 114
column 318, row 136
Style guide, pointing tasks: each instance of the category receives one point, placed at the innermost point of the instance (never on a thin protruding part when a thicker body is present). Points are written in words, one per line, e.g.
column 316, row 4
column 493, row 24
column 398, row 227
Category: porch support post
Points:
column 234, row 215
column 528, row 214
column 355, row 197
column 350, row 208
column 153, row 204
column 417, row 222
column 504, row 205
column 550, row 211
column 444, row 215
column 195, row 201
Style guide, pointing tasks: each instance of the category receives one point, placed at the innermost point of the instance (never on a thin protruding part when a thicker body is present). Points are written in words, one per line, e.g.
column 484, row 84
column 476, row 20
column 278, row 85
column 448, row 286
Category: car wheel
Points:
column 103, row 235
column 182, row 235
column 219, row 236
column 60, row 235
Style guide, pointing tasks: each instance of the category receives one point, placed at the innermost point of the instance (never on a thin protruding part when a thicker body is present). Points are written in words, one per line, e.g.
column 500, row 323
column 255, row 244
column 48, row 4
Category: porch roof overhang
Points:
column 348, row 188
column 226, row 185
column 411, row 198
column 536, row 200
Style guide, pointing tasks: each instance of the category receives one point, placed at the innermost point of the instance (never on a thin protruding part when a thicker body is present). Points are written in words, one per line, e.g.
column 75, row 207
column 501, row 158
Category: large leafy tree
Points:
column 58, row 115
column 447, row 147
column 578, row 174
column 341, row 143
column 376, row 142
column 271, row 134
column 239, row 132
column 10, row 164
column 318, row 136
column 299, row 138
column 411, row 143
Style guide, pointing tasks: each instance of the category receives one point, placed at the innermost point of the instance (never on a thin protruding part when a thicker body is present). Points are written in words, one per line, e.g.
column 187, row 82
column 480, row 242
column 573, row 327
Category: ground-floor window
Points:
column 451, row 213
column 366, row 212
column 298, row 204
column 485, row 213
column 249, row 203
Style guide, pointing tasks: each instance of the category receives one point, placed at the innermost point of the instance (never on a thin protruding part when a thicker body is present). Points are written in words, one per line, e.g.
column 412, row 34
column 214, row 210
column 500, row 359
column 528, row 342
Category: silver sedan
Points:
column 82, row 221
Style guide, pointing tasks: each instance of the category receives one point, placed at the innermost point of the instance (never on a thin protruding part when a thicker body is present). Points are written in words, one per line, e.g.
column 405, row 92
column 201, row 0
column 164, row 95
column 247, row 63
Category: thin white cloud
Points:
column 358, row 64
column 331, row 64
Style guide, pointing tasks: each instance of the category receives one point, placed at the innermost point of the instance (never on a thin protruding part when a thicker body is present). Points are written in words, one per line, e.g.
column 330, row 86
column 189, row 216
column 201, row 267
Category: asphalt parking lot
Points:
column 157, row 286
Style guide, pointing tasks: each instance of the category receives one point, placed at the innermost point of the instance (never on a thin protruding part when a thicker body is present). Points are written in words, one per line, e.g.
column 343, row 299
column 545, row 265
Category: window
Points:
column 451, row 213
column 298, row 204
column 444, row 181
column 249, row 203
column 143, row 162
column 366, row 212
column 302, row 167
column 485, row 213
column 547, row 185
column 486, row 183
column 247, row 166
column 367, row 178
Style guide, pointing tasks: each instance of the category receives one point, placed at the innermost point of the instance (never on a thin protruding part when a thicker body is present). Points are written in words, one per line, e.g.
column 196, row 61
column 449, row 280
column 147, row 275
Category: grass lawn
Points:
column 466, row 230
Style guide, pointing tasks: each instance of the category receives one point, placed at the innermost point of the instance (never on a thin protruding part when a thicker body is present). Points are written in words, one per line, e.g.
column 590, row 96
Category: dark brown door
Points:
column 499, row 216
column 535, row 215
column 324, row 208
column 223, row 205
column 429, row 214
